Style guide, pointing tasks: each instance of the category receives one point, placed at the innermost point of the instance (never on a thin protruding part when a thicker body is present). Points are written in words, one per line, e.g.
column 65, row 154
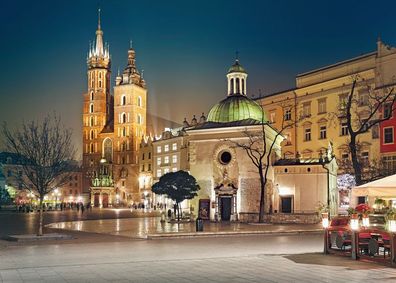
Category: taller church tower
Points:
column 97, row 107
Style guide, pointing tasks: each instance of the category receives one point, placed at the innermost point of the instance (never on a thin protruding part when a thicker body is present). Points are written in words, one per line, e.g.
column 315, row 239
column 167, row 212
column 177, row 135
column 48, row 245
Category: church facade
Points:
column 113, row 125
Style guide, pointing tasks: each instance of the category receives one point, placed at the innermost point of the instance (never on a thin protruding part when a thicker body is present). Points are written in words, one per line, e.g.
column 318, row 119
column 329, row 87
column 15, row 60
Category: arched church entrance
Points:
column 226, row 202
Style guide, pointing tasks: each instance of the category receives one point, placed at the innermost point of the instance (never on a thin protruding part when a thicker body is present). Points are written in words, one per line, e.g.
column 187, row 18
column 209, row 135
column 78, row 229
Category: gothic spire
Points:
column 99, row 38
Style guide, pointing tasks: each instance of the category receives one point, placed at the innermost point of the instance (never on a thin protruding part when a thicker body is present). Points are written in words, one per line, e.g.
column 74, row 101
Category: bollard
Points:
column 199, row 225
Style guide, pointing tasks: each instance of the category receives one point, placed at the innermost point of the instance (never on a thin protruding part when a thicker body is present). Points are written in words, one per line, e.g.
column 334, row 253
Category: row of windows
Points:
column 124, row 118
column 148, row 167
column 123, row 100
column 149, row 155
column 166, row 147
column 166, row 160
column 166, row 170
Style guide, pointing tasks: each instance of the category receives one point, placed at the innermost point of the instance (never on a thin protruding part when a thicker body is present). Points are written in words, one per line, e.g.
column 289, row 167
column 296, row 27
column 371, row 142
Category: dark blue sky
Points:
column 184, row 47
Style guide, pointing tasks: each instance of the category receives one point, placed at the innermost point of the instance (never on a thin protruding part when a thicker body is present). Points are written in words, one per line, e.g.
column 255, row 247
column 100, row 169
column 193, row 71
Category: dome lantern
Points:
column 236, row 78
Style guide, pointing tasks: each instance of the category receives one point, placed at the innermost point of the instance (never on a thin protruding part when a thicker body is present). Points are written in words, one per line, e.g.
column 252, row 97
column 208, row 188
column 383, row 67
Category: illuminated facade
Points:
column 321, row 93
column 113, row 126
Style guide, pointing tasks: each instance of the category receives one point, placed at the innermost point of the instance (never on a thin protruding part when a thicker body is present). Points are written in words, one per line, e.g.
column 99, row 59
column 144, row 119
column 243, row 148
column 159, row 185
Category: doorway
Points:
column 105, row 200
column 225, row 206
column 286, row 204
column 96, row 200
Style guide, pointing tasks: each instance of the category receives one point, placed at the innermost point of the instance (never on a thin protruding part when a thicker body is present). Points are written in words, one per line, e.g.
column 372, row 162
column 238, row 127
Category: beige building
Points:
column 317, row 101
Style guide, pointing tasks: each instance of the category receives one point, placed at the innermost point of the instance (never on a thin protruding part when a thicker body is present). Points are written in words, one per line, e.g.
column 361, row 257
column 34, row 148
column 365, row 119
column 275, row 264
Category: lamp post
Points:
column 355, row 236
column 392, row 238
column 325, row 225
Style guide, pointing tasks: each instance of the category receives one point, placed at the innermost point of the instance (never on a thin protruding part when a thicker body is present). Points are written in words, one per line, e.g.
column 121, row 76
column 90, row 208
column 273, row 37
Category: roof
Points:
column 236, row 68
column 213, row 125
column 236, row 108
column 294, row 161
column 109, row 127
column 387, row 182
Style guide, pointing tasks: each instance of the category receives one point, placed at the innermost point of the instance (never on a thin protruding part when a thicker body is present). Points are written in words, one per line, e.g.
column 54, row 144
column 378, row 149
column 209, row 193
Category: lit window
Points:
column 388, row 135
column 322, row 105
column 322, row 132
column 166, row 170
column 159, row 149
column 139, row 101
column 174, row 158
column 166, row 159
column 123, row 100
column 174, row 146
column 159, row 173
column 139, row 119
column 174, row 169
column 123, row 118
column 307, row 134
column 91, row 108
column 166, row 148
column 344, row 129
column 158, row 161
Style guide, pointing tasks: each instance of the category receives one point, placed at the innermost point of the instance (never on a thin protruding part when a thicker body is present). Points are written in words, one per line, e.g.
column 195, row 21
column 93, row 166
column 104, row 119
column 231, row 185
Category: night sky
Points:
column 184, row 47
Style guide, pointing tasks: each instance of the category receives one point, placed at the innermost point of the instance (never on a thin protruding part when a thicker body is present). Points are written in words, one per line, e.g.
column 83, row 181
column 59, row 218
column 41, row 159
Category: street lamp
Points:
column 325, row 225
column 355, row 236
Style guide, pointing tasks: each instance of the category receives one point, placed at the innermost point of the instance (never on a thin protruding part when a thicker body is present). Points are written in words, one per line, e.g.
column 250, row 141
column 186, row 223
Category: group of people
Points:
column 30, row 207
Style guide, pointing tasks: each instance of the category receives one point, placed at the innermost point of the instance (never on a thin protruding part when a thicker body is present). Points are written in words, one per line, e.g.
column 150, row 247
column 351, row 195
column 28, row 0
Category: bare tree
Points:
column 260, row 150
column 46, row 150
column 361, row 115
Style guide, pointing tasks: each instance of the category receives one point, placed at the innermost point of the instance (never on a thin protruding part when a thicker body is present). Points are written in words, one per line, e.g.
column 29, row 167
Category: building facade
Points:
column 317, row 102
column 113, row 126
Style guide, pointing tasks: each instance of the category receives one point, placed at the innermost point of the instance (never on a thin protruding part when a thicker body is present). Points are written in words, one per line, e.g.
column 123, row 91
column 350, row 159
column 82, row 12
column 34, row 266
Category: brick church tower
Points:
column 113, row 127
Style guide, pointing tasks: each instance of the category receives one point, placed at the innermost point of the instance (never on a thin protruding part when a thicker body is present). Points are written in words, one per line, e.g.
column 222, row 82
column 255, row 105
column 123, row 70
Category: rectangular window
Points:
column 344, row 128
column 174, row 158
column 143, row 168
column 322, row 132
column 389, row 163
column 159, row 149
column 158, row 161
column 387, row 110
column 159, row 173
column 361, row 200
column 288, row 115
column 149, row 155
column 365, row 157
column 343, row 99
column 174, row 169
column 143, row 156
column 166, row 159
column 166, row 148
column 166, row 170
column 149, row 167
column 174, row 146
column 272, row 117
column 322, row 106
column 363, row 98
column 388, row 135
column 307, row 134
column 306, row 109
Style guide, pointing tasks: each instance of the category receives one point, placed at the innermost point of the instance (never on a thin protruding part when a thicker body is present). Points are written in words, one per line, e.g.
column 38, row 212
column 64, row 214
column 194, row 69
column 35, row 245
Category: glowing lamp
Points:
column 355, row 222
column 365, row 221
column 392, row 225
column 325, row 220
column 103, row 160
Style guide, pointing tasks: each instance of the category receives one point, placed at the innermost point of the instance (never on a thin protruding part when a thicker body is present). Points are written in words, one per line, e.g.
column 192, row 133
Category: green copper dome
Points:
column 236, row 108
column 236, row 68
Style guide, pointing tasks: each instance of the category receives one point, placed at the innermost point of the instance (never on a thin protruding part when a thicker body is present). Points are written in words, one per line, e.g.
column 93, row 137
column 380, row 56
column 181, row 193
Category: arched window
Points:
column 100, row 75
column 91, row 108
column 232, row 85
column 243, row 86
column 92, row 95
column 139, row 101
column 91, row 121
column 100, row 83
column 124, row 132
column 92, row 135
column 123, row 118
column 92, row 149
column 123, row 100
column 108, row 150
column 237, row 86
column 92, row 83
column 139, row 119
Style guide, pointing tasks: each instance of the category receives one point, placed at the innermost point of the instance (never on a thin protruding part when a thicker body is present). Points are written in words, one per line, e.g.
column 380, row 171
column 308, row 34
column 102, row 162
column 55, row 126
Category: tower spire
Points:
column 98, row 18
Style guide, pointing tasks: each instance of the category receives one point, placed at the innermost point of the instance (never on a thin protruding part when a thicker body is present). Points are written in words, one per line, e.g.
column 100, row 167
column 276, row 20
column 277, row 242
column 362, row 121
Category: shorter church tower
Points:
column 130, row 96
